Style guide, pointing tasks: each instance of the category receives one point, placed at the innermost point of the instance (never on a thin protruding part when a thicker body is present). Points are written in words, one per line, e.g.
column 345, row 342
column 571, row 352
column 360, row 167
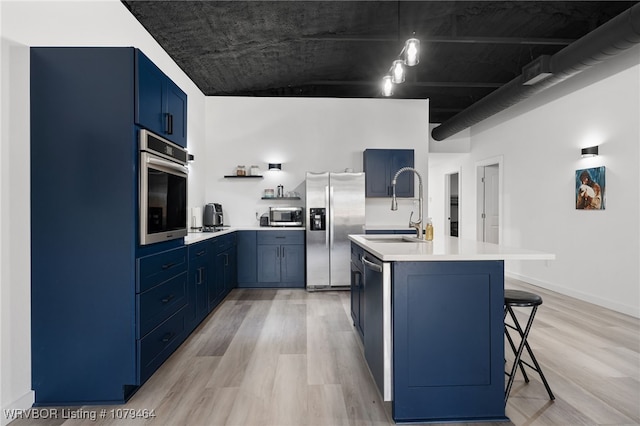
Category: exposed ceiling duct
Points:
column 610, row 39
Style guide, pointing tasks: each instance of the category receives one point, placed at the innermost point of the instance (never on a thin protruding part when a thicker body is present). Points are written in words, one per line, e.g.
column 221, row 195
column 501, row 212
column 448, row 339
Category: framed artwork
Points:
column 590, row 187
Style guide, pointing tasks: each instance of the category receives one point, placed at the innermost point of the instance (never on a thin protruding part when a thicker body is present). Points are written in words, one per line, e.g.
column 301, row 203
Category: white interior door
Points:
column 491, row 204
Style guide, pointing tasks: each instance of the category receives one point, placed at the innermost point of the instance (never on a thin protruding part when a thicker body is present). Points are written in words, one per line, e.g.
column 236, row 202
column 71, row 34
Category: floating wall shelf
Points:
column 243, row 177
column 280, row 198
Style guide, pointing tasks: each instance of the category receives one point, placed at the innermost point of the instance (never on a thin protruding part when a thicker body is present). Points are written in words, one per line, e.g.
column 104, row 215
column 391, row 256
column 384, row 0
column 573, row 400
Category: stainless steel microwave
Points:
column 286, row 216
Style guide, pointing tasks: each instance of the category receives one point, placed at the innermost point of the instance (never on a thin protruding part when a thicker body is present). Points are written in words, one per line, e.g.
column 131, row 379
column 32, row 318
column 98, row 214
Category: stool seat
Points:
column 521, row 298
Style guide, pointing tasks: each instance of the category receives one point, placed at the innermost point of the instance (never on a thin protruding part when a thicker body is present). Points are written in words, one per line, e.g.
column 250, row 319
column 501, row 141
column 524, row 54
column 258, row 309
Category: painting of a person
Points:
column 589, row 192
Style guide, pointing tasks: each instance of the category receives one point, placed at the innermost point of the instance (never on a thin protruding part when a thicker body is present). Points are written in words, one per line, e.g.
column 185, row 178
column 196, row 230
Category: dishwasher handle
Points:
column 371, row 265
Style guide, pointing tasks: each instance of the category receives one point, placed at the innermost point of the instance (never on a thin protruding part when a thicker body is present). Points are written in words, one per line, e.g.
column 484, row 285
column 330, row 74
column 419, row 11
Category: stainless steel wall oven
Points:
column 163, row 189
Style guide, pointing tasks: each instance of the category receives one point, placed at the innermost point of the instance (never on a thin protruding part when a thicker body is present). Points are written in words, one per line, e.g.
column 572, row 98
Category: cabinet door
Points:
column 247, row 260
column 292, row 264
column 381, row 165
column 376, row 168
column 230, row 273
column 161, row 106
column 176, row 109
column 269, row 263
column 150, row 95
column 197, row 290
column 398, row 159
column 220, row 266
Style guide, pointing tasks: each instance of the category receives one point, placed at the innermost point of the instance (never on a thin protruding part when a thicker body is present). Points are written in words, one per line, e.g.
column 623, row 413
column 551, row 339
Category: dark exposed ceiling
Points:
column 342, row 49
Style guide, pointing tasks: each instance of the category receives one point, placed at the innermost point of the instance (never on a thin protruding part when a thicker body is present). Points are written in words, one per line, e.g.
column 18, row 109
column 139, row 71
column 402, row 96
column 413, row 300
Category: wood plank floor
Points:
column 289, row 357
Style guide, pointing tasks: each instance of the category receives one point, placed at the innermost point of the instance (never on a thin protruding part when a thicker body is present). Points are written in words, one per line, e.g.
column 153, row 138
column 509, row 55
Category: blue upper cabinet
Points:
column 380, row 165
column 160, row 104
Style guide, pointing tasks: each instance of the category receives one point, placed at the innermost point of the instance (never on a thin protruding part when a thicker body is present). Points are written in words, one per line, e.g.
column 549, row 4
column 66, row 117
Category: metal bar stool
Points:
column 522, row 299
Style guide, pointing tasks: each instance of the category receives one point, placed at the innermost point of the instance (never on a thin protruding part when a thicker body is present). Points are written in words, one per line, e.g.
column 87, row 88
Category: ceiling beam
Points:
column 444, row 39
column 406, row 83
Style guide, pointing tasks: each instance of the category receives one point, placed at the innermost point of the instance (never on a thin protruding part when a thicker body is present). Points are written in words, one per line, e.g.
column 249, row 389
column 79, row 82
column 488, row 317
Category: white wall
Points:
column 52, row 23
column 539, row 143
column 304, row 134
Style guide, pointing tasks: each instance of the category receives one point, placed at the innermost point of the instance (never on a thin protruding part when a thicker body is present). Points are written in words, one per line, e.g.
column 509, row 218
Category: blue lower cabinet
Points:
column 269, row 264
column 199, row 275
column 292, row 260
column 448, row 343
column 162, row 307
column 224, row 265
column 271, row 258
column 247, row 258
column 160, row 343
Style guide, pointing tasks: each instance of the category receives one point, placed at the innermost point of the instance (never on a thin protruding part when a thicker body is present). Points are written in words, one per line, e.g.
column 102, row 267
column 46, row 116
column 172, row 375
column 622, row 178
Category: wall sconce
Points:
column 275, row 166
column 387, row 86
column 592, row 151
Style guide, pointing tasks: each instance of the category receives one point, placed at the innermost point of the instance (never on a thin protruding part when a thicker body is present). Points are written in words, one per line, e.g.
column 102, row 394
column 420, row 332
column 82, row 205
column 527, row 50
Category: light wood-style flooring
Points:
column 290, row 357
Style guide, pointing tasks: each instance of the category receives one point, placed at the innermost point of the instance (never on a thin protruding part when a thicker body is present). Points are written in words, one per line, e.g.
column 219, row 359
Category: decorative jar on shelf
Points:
column 241, row 171
column 254, row 171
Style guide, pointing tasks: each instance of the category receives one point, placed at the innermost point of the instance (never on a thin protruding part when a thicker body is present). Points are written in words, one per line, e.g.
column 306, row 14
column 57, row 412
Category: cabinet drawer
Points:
column 158, row 268
column 281, row 237
column 155, row 347
column 223, row 242
column 198, row 250
column 159, row 303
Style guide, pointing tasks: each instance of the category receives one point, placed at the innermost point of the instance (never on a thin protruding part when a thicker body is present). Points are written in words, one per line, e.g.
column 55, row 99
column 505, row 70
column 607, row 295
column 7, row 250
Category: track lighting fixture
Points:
column 387, row 86
column 411, row 52
column 397, row 71
column 410, row 55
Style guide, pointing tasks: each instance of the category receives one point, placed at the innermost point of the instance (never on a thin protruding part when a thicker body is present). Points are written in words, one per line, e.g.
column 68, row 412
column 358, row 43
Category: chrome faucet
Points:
column 394, row 201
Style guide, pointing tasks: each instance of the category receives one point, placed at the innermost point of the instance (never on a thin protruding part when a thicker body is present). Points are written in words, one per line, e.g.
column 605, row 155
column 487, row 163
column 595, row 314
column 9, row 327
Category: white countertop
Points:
column 443, row 248
column 197, row 236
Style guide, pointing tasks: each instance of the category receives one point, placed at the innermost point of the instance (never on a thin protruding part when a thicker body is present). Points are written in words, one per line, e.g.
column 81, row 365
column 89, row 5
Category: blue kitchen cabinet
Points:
column 381, row 165
column 269, row 264
column 247, row 258
column 102, row 318
column 161, row 106
column 448, row 342
column 200, row 272
column 280, row 259
column 161, row 306
column 357, row 289
column 224, row 268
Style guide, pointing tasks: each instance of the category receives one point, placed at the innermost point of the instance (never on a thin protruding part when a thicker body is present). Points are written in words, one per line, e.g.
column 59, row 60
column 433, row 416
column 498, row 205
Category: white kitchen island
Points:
column 430, row 315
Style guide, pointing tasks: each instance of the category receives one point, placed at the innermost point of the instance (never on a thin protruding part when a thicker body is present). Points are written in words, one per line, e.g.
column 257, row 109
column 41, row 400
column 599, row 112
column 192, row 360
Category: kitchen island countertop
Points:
column 393, row 248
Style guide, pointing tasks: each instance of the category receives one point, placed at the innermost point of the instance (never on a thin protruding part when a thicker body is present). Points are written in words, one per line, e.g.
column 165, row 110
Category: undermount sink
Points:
column 395, row 239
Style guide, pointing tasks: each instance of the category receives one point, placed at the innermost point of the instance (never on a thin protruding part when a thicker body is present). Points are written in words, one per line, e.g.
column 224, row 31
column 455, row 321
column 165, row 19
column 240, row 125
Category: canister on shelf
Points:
column 254, row 170
column 241, row 170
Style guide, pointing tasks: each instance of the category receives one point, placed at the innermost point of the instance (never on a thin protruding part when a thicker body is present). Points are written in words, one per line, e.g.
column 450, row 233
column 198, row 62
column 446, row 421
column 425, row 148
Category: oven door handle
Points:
column 167, row 164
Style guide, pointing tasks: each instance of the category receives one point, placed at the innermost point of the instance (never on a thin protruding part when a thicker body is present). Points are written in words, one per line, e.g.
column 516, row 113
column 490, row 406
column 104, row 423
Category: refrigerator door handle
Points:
column 331, row 217
column 326, row 228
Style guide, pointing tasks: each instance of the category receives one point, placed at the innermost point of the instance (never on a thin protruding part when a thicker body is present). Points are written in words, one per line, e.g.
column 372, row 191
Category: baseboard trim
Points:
column 586, row 297
column 23, row 403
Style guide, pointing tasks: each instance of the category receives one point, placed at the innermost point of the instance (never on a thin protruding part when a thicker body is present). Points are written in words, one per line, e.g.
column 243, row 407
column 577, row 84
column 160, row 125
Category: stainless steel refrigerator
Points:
column 335, row 208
